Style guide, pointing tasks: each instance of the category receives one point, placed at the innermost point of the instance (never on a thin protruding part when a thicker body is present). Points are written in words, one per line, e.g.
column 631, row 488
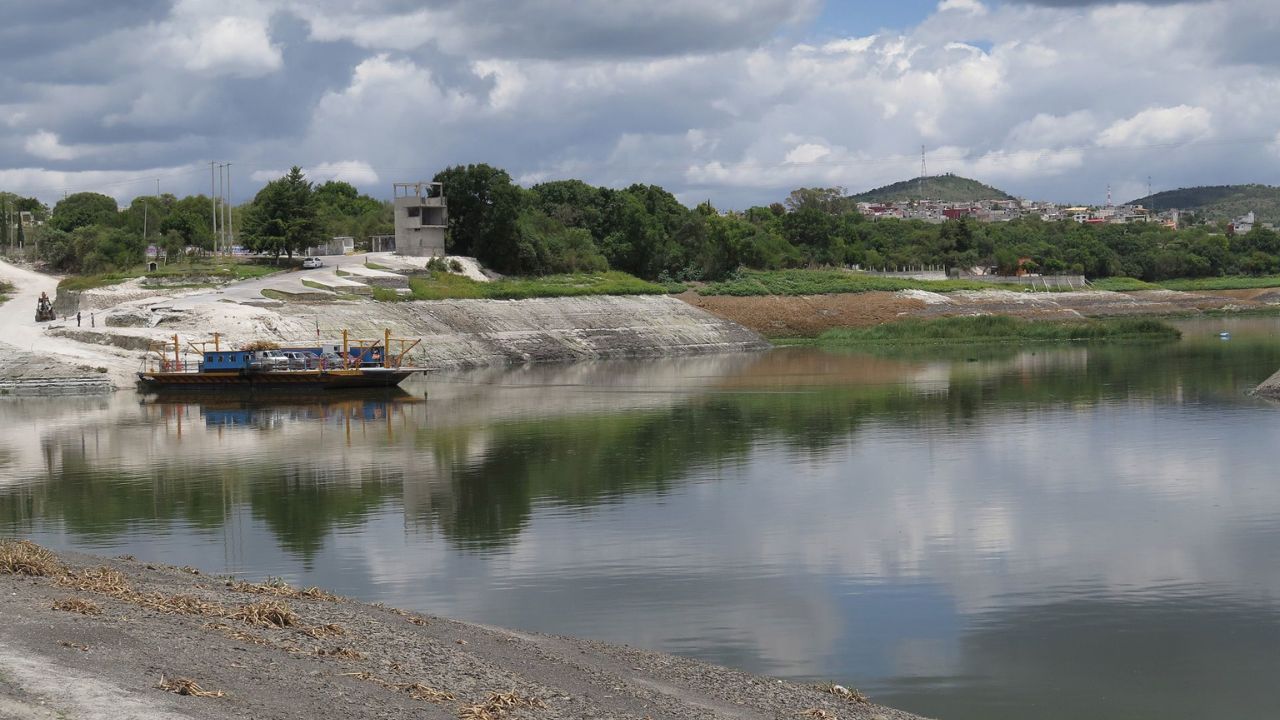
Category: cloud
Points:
column 556, row 28
column 807, row 153
column 738, row 103
column 1159, row 126
column 973, row 7
column 234, row 45
column 352, row 171
column 45, row 145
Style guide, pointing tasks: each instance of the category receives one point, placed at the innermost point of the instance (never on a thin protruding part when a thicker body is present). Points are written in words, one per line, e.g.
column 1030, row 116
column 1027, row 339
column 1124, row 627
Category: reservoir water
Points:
column 1049, row 532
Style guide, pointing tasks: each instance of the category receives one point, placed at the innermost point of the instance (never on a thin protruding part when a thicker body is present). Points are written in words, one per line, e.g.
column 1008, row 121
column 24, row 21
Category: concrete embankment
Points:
column 456, row 333
column 86, row 637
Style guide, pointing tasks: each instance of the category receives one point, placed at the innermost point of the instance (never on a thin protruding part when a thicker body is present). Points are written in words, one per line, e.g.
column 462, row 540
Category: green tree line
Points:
column 569, row 226
column 89, row 232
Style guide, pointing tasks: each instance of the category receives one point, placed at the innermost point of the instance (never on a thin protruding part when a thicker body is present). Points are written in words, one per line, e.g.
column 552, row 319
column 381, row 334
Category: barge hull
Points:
column 274, row 380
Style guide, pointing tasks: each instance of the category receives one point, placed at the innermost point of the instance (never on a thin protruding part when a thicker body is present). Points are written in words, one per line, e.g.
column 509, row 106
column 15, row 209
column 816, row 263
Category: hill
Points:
column 947, row 188
column 1220, row 202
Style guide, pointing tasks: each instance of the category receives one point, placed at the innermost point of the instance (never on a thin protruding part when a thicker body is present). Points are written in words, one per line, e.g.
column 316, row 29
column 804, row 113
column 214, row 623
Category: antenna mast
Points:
column 922, row 173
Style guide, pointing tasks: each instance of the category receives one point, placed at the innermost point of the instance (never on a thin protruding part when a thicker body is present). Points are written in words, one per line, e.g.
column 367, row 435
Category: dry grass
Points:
column 279, row 588
column 818, row 713
column 78, row 605
column 417, row 620
column 499, row 705
column 850, row 694
column 417, row 691
column 322, row 631
column 102, row 580
column 237, row 634
column 187, row 686
column 180, row 605
column 23, row 557
column 341, row 653
column 77, row 646
column 269, row 613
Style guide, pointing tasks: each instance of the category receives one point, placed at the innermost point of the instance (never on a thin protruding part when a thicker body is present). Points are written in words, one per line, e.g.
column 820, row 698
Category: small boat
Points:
column 352, row 364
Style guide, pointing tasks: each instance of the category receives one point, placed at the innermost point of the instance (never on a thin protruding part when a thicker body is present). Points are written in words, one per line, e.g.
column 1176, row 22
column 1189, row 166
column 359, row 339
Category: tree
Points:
column 546, row 246
column 833, row 201
column 81, row 209
column 343, row 211
column 283, row 218
column 484, row 206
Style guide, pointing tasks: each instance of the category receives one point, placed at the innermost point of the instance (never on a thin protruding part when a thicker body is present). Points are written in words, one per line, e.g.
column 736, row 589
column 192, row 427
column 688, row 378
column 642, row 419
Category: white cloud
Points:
column 266, row 176
column 45, row 145
column 1159, row 126
column 807, row 153
column 203, row 40
column 972, row 7
column 353, row 171
column 710, row 100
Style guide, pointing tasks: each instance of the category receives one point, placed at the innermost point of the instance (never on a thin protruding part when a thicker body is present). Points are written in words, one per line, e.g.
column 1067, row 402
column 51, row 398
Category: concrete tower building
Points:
column 421, row 219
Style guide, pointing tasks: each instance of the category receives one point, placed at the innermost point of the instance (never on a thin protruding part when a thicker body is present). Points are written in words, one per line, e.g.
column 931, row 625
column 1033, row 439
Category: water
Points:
column 1060, row 533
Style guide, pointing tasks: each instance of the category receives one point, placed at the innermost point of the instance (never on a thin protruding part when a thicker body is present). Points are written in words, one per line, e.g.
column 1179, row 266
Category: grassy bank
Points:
column 995, row 328
column 199, row 272
column 447, row 286
column 827, row 282
column 5, row 289
column 1223, row 283
column 1235, row 282
column 1122, row 284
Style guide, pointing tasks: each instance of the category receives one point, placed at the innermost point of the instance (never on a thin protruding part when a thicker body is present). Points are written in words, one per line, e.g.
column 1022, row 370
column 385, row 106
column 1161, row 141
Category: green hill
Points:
column 947, row 188
column 1220, row 202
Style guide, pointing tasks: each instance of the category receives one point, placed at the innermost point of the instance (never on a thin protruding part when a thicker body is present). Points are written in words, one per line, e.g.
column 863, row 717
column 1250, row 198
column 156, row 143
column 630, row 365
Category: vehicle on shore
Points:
column 44, row 309
column 351, row 364
column 312, row 263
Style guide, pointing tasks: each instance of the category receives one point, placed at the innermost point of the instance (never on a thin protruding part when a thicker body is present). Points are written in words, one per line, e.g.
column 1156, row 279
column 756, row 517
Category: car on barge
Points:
column 352, row 364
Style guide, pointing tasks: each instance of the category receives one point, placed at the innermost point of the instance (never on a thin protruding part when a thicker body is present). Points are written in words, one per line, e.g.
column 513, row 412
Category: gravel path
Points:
column 129, row 628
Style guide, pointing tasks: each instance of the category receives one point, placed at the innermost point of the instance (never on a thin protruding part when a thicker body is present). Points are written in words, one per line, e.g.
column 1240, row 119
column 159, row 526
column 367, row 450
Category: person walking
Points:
column 92, row 322
column 77, row 318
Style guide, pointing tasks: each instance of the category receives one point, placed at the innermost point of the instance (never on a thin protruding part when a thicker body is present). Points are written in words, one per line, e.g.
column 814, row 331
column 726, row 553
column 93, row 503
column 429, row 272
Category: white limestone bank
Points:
column 454, row 333
column 473, row 333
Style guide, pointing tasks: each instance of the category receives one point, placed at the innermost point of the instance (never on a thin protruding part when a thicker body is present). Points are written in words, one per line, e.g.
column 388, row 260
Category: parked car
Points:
column 311, row 263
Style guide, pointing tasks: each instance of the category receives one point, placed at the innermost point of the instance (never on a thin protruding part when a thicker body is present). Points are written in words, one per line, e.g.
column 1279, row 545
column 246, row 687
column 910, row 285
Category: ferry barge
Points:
column 353, row 364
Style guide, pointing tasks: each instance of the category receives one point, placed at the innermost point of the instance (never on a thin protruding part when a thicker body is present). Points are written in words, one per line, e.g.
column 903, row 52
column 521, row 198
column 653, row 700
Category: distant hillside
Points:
column 1220, row 202
column 947, row 188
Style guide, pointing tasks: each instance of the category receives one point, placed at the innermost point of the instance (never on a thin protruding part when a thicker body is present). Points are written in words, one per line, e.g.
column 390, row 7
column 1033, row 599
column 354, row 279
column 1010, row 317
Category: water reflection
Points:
column 965, row 533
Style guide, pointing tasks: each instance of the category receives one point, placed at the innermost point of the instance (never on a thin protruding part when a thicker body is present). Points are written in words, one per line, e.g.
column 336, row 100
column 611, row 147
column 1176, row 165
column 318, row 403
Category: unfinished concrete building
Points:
column 421, row 219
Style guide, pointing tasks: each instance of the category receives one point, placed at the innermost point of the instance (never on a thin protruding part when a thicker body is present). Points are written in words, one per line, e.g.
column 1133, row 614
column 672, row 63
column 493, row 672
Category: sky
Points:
column 737, row 102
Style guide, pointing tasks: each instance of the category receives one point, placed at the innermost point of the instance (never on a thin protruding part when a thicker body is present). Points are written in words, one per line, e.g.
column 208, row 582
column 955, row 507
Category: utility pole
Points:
column 222, row 224
column 230, row 235
column 213, row 201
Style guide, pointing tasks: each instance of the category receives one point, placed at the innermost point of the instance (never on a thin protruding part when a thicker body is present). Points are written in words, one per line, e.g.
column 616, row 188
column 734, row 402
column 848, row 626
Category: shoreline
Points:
column 102, row 638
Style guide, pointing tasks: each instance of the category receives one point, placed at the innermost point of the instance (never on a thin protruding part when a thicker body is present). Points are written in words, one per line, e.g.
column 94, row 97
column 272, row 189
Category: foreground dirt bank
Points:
column 811, row 315
column 119, row 638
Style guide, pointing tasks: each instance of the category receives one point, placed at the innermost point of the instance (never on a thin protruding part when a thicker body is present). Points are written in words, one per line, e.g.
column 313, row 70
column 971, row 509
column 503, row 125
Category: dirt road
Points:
column 103, row 638
column 27, row 352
